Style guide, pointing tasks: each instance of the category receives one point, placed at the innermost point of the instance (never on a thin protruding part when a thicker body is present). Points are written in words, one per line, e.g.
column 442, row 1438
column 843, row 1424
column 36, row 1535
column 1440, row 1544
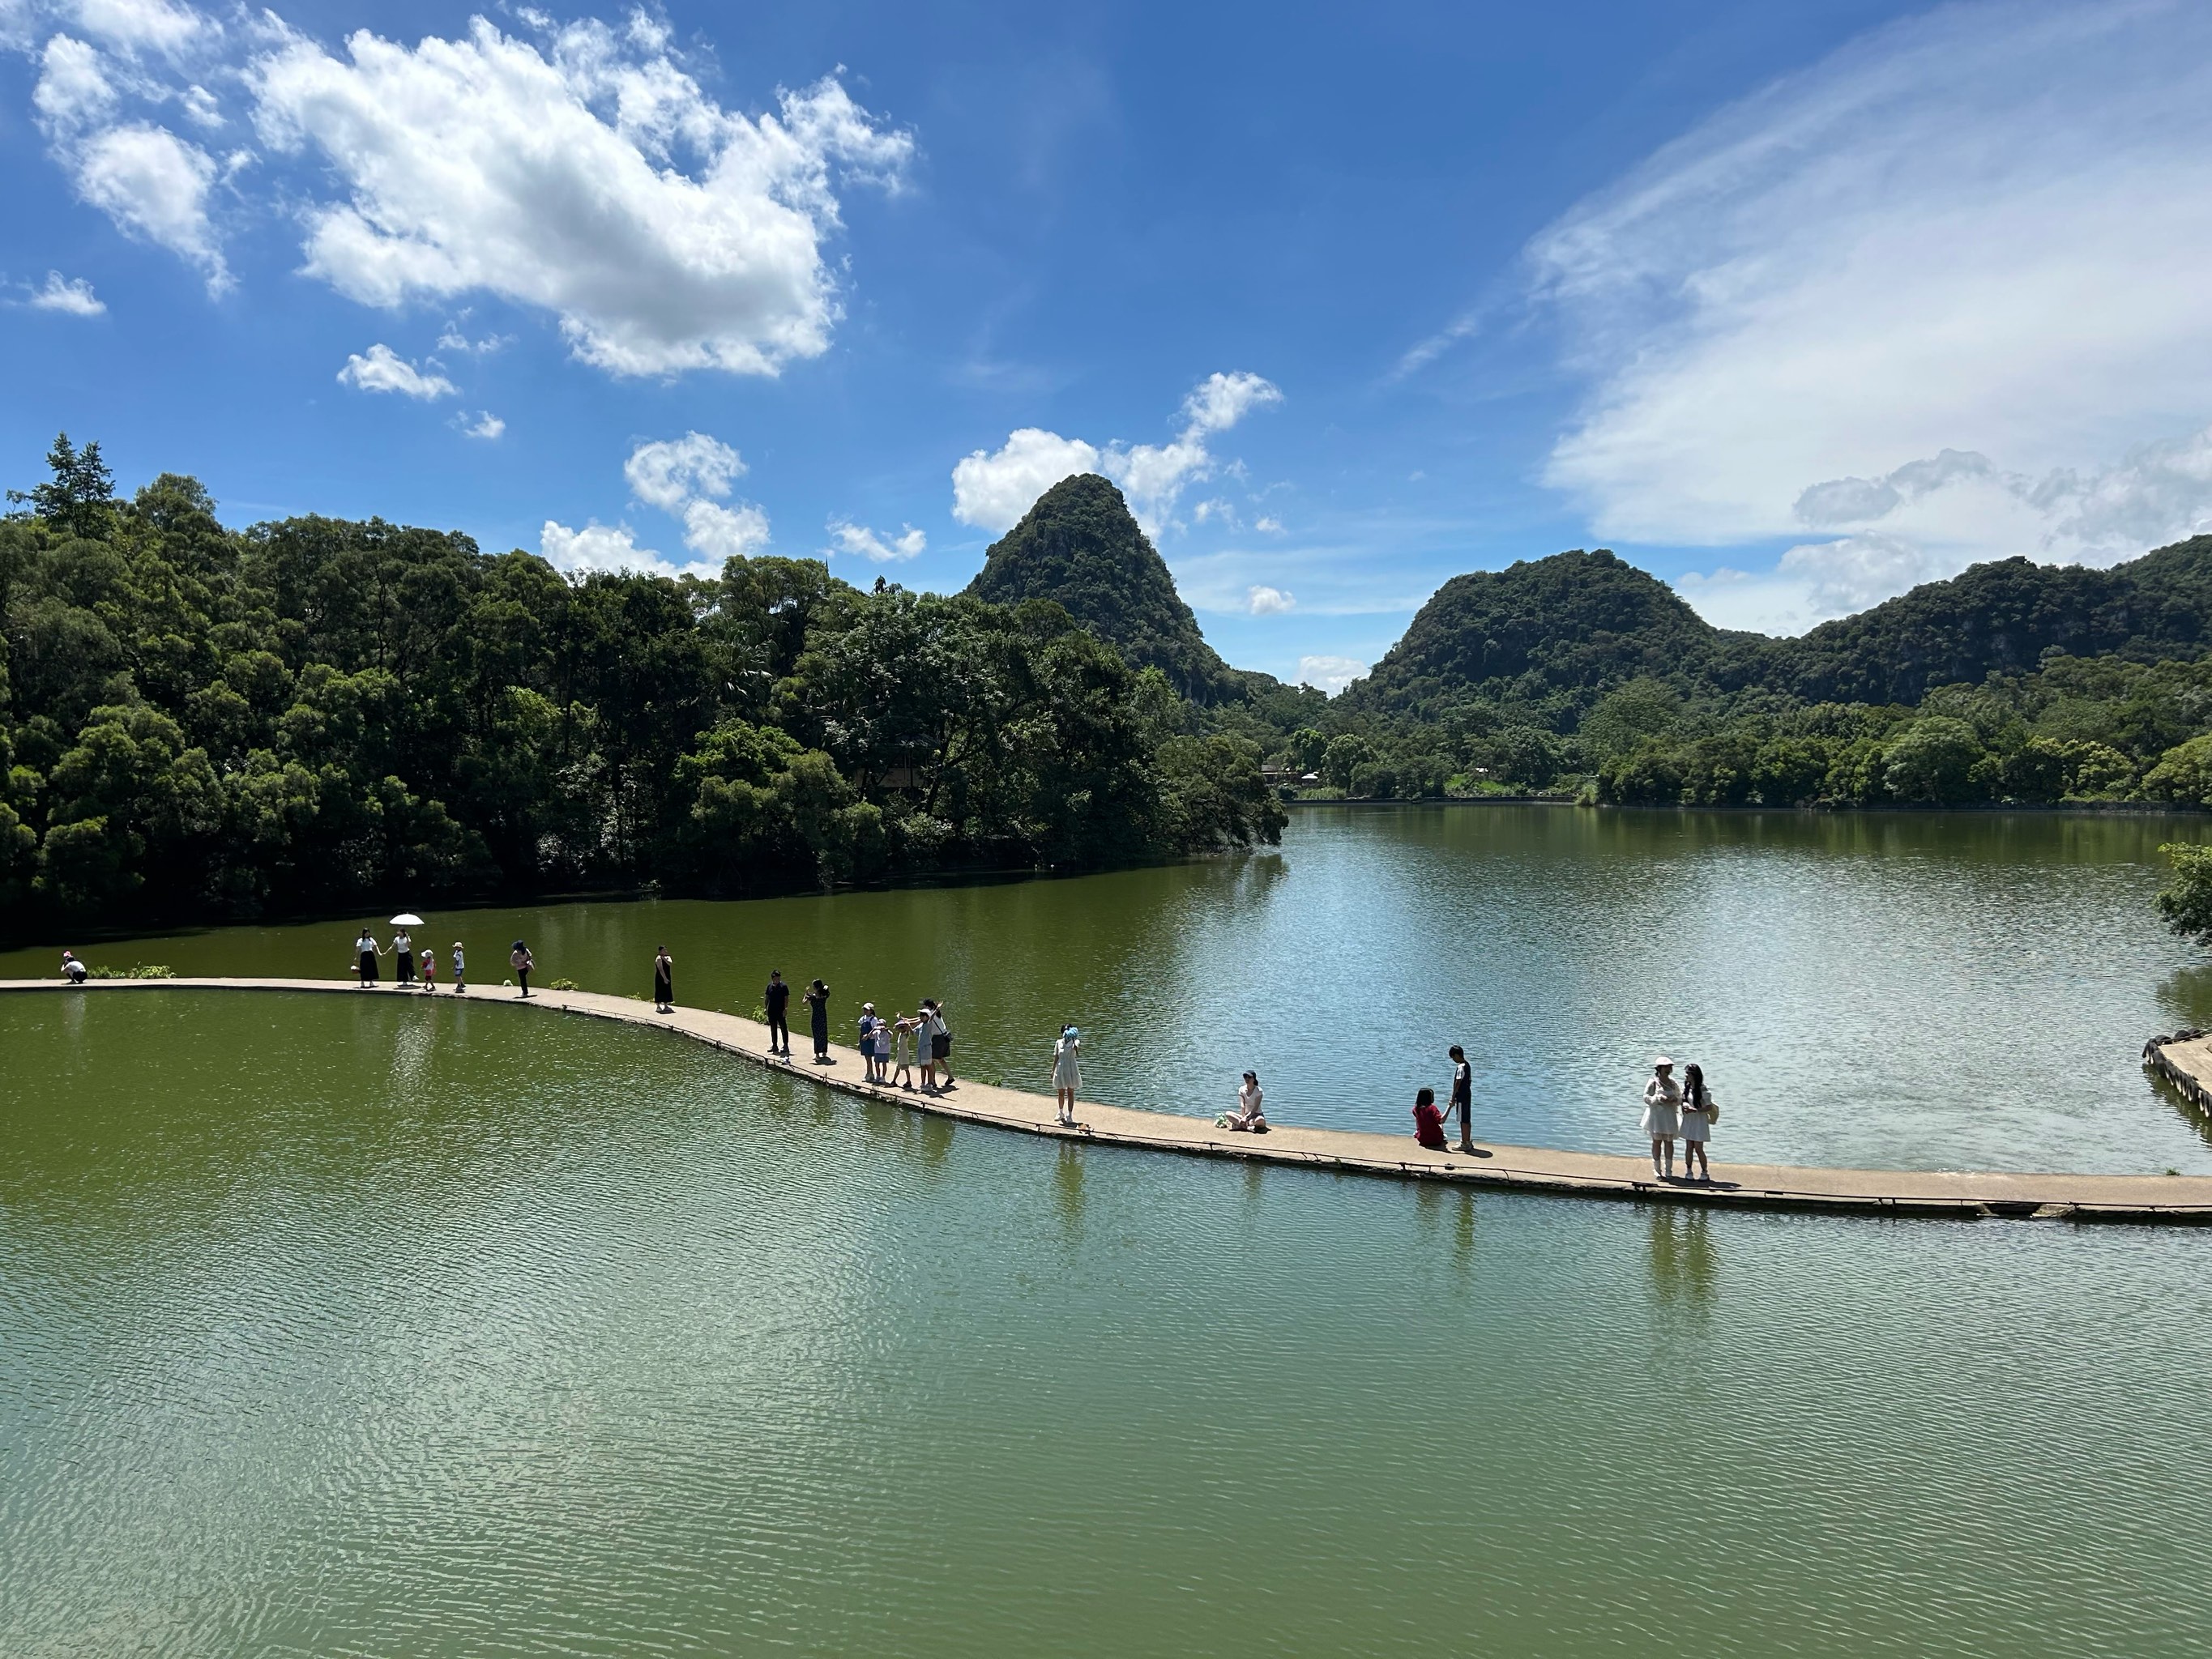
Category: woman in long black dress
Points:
column 366, row 950
column 817, row 1009
column 664, row 982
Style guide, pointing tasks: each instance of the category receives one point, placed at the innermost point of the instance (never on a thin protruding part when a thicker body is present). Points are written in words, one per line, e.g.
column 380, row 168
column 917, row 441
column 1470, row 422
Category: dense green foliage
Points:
column 2186, row 901
column 197, row 721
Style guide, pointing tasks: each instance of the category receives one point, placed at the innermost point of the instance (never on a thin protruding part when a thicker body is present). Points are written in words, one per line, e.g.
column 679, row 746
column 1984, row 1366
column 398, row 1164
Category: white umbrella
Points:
column 410, row 919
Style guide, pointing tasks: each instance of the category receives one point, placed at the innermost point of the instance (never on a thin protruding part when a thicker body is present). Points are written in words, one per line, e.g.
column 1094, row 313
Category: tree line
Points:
column 306, row 714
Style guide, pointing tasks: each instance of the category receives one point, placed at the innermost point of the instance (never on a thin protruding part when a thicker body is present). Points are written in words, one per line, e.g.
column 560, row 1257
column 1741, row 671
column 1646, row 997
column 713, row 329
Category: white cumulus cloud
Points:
column 1221, row 400
column 861, row 542
column 154, row 184
column 71, row 296
column 992, row 490
column 669, row 471
column 486, row 425
column 1264, row 601
column 599, row 547
column 592, row 179
column 73, row 90
column 1329, row 674
column 717, row 532
column 383, row 369
column 156, row 25
column 1977, row 234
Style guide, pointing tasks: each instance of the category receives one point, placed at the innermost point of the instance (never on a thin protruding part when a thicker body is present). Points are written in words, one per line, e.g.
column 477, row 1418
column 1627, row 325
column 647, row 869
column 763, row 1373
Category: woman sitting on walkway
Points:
column 1248, row 1115
column 1429, row 1122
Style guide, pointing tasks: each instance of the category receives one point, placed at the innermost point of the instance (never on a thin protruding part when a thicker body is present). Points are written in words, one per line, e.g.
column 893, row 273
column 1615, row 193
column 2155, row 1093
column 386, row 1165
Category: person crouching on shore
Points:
column 1429, row 1122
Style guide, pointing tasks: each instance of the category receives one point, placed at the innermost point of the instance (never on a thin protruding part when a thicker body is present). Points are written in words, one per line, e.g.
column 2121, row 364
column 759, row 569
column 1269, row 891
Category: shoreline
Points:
column 2141, row 1199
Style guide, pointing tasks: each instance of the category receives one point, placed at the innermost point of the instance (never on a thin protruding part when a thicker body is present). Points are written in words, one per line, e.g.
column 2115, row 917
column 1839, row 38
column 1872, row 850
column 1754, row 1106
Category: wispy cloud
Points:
column 73, row 296
column 1982, row 232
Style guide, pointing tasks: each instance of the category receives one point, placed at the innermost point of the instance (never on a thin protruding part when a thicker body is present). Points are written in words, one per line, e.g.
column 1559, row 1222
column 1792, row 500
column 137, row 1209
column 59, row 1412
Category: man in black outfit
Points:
column 1463, row 1097
column 777, row 999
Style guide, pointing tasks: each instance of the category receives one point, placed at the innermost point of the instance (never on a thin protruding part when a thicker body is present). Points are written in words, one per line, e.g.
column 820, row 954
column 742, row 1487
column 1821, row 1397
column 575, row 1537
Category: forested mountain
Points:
column 1553, row 634
column 2002, row 618
column 197, row 721
column 1081, row 547
column 1543, row 631
column 2012, row 682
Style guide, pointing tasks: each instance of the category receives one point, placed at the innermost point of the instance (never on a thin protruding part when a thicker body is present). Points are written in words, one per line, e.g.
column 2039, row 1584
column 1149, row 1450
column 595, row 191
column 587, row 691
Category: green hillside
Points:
column 1554, row 634
column 1081, row 547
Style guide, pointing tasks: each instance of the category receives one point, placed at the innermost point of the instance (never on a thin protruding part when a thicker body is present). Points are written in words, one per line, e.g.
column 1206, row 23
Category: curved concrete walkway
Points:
column 2163, row 1200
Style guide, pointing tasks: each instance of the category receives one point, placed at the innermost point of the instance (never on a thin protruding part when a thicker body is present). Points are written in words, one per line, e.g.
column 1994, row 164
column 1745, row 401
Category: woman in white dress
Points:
column 1663, row 1115
column 1066, row 1075
column 1698, row 1111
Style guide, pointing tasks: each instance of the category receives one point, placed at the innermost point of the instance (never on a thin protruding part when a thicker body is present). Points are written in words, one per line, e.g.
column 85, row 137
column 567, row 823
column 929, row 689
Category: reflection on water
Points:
column 1683, row 1264
column 1068, row 1188
column 1938, row 990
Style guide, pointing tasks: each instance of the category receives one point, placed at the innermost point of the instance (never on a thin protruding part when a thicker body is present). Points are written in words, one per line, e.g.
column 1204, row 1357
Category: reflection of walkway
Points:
column 1880, row 1192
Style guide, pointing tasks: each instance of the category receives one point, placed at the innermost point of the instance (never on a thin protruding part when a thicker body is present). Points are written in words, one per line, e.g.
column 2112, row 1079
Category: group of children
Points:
column 890, row 1048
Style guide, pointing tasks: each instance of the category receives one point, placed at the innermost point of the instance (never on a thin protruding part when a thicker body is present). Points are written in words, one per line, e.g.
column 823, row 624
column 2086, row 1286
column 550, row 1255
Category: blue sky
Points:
column 1793, row 306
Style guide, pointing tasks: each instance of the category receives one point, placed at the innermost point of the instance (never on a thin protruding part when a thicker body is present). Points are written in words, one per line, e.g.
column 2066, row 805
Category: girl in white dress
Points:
column 1066, row 1075
column 1698, row 1111
column 1662, row 1116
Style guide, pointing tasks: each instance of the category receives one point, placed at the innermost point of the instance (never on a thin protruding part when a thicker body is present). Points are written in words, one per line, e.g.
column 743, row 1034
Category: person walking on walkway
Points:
column 818, row 1014
column 429, row 970
column 1429, row 1122
column 1463, row 1097
column 1699, row 1109
column 368, row 950
column 928, row 1027
column 902, row 1031
column 460, row 971
column 776, row 1000
column 521, row 961
column 663, row 981
column 1662, row 1116
column 403, row 957
column 1066, row 1074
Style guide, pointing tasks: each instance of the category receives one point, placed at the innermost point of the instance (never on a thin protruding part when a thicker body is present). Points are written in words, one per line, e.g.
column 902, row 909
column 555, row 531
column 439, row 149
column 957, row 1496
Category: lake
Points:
column 1910, row 989
column 369, row 1326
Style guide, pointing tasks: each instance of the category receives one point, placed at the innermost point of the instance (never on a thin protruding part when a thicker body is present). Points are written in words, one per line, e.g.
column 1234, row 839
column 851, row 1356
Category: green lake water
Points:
column 1916, row 990
column 336, row 1326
